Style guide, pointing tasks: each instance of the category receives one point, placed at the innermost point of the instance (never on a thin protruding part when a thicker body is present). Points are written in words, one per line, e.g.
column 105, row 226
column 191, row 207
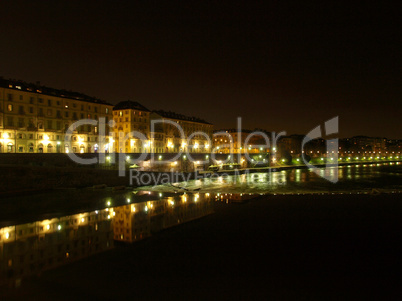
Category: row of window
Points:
column 50, row 147
column 133, row 120
column 126, row 112
column 50, row 124
column 49, row 112
column 50, row 137
column 50, row 102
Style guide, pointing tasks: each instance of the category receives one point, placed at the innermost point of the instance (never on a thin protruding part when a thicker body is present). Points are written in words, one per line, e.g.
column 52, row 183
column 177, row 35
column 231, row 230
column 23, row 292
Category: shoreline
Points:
column 19, row 180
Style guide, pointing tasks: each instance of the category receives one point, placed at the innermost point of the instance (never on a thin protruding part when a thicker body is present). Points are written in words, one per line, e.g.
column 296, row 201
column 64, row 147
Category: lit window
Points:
column 10, row 108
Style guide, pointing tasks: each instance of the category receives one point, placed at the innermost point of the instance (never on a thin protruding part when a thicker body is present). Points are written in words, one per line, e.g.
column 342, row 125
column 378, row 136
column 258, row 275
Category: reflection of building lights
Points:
column 7, row 235
column 59, row 227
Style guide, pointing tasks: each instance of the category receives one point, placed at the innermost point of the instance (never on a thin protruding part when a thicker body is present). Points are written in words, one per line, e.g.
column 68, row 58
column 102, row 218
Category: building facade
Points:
column 131, row 117
column 34, row 119
column 196, row 135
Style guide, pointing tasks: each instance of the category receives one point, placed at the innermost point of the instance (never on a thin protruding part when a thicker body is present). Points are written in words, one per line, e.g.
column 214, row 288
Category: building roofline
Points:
column 19, row 85
column 173, row 115
column 129, row 104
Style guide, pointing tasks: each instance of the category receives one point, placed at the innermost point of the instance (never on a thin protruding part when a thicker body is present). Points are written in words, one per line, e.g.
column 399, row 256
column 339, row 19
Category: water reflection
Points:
column 351, row 177
column 27, row 249
column 30, row 248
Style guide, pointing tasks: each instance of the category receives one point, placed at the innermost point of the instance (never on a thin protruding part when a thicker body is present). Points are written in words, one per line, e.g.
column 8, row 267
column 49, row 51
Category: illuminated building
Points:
column 130, row 116
column 34, row 119
column 196, row 136
column 244, row 141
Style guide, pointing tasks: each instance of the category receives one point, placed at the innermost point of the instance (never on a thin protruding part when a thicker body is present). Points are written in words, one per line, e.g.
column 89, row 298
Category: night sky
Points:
column 279, row 66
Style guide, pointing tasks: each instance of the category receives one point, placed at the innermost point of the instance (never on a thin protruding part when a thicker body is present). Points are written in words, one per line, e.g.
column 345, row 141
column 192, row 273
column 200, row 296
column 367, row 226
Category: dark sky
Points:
column 277, row 65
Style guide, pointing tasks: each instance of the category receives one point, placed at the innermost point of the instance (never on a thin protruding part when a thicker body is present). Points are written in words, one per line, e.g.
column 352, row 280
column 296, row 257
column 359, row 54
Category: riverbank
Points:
column 290, row 167
column 27, row 179
column 311, row 247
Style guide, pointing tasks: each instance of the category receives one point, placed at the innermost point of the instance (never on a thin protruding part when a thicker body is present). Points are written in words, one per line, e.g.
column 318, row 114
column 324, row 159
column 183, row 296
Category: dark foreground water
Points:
column 214, row 243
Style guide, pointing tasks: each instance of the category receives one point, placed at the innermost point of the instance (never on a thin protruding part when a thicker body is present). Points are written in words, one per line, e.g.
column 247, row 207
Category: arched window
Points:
column 10, row 148
column 49, row 148
column 40, row 148
column 31, row 147
column 82, row 148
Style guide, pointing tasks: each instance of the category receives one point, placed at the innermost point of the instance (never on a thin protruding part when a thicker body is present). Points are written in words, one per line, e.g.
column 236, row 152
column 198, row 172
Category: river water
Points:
column 386, row 177
column 46, row 241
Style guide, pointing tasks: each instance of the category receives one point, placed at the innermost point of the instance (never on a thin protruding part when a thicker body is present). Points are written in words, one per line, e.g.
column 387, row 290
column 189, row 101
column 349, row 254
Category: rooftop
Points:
column 39, row 89
column 129, row 104
column 173, row 115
